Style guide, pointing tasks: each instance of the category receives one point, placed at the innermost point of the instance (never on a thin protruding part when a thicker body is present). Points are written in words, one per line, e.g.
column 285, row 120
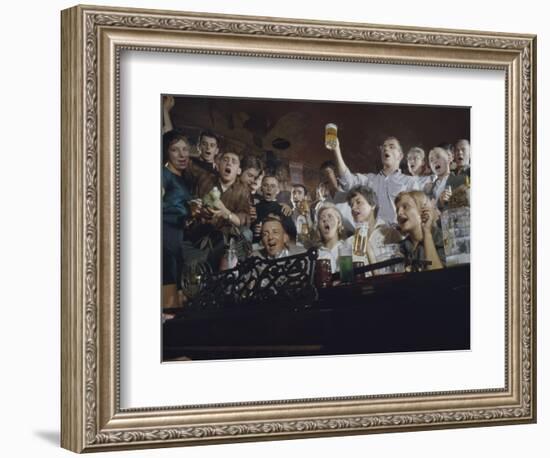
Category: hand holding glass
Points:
column 331, row 136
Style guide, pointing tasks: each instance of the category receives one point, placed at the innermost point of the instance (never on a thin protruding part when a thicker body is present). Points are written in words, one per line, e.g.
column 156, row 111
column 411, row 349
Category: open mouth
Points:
column 355, row 214
column 402, row 220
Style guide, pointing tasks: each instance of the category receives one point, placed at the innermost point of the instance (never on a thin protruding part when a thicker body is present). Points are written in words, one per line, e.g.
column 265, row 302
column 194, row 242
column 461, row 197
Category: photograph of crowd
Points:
column 351, row 184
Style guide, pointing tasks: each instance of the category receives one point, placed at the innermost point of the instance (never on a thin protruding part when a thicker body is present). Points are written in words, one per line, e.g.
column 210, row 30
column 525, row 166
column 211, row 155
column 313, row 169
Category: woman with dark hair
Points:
column 175, row 196
column 375, row 231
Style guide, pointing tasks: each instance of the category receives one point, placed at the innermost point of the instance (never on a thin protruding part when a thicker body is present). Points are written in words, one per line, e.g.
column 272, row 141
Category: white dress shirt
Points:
column 385, row 187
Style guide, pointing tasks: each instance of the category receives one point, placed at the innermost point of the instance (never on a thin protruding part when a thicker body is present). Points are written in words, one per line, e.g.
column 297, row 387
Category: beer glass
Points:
column 360, row 240
column 389, row 251
column 345, row 262
column 331, row 135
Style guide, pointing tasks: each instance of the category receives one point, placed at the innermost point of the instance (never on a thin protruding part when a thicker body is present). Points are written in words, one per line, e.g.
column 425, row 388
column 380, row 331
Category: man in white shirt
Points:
column 387, row 183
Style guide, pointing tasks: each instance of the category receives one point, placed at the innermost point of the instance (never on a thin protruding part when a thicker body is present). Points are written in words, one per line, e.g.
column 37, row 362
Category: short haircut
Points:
column 300, row 185
column 396, row 140
column 328, row 164
column 251, row 162
column 169, row 138
column 211, row 134
column 266, row 176
column 367, row 193
column 437, row 149
column 225, row 153
column 284, row 222
column 417, row 150
column 273, row 218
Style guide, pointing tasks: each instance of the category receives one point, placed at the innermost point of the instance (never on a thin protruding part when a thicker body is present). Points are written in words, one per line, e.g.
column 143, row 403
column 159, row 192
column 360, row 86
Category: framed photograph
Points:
column 258, row 282
column 278, row 228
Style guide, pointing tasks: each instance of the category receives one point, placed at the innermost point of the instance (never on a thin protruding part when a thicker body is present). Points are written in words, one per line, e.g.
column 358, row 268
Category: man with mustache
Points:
column 387, row 183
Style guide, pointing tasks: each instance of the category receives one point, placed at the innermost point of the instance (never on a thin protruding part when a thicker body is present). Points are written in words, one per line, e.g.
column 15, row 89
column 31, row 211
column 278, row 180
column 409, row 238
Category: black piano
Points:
column 278, row 311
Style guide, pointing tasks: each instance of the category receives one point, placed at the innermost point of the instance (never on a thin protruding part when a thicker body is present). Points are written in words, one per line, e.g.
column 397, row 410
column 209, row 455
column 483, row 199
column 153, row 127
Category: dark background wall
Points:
column 290, row 130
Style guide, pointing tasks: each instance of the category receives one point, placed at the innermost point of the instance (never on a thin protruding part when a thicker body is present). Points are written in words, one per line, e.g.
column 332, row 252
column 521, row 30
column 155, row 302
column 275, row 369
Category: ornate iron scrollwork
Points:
column 285, row 282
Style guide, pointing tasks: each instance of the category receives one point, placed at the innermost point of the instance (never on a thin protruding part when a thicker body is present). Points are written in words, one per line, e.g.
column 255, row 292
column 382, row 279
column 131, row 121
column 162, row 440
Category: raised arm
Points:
column 168, row 103
column 346, row 179
column 341, row 167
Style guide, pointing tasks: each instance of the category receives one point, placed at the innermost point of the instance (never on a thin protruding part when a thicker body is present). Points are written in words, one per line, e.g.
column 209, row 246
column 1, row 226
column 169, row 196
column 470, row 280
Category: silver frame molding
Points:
column 92, row 40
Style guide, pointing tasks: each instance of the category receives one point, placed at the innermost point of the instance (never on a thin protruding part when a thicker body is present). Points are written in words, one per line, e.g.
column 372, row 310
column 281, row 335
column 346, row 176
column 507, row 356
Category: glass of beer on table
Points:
column 345, row 263
column 361, row 239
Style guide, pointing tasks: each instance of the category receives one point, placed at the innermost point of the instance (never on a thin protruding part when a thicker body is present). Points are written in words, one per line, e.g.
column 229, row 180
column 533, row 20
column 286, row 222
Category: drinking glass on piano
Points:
column 345, row 262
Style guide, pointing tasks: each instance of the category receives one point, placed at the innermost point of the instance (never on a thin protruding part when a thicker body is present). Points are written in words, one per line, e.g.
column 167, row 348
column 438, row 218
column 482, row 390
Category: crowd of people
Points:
column 220, row 208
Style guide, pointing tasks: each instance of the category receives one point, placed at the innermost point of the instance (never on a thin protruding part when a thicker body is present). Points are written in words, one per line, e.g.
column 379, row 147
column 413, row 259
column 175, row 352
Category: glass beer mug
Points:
column 360, row 240
column 331, row 135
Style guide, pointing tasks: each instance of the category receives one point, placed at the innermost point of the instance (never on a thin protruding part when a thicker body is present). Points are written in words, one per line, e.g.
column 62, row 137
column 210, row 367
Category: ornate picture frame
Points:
column 93, row 39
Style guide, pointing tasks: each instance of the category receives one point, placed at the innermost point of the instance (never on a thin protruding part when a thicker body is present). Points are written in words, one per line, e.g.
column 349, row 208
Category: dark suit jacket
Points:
column 454, row 181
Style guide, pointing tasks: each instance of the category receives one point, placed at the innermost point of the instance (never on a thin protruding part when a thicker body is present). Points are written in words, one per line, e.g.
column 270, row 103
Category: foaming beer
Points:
column 331, row 134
